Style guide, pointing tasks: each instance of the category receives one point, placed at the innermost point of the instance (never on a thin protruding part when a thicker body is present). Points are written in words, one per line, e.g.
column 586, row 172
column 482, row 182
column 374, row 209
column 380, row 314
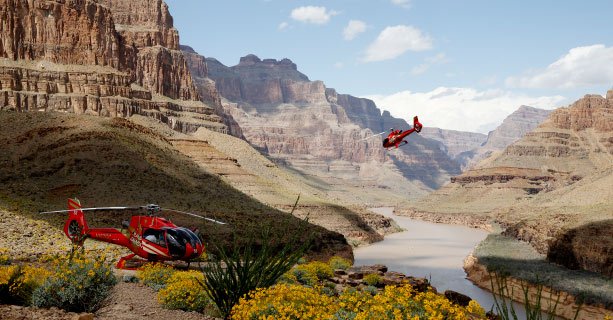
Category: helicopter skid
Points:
column 129, row 262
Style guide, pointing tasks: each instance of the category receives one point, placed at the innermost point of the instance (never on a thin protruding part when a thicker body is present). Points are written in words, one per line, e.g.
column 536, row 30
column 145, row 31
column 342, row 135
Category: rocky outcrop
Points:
column 144, row 23
column 207, row 90
column 108, row 58
column 318, row 131
column 78, row 32
column 515, row 126
column 566, row 305
column 456, row 142
column 468, row 148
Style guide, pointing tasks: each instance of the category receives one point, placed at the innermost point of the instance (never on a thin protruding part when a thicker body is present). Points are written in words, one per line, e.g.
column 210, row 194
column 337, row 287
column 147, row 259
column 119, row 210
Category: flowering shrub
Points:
column 286, row 301
column 155, row 275
column 339, row 263
column 18, row 283
column 308, row 274
column 77, row 284
column 182, row 291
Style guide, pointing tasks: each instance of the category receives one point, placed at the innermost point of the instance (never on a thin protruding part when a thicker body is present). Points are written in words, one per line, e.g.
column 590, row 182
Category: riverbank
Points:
column 477, row 222
column 566, row 305
column 527, row 261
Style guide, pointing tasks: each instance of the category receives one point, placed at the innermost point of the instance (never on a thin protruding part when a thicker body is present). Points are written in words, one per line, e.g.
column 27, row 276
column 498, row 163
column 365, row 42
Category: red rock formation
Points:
column 144, row 23
column 71, row 56
column 78, row 32
column 207, row 90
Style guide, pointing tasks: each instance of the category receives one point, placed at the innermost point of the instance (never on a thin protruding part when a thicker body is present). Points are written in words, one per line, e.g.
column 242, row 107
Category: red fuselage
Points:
column 153, row 238
column 396, row 137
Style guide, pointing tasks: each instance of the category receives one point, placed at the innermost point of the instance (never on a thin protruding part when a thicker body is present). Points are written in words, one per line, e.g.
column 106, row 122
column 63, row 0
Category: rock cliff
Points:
column 468, row 148
column 314, row 129
column 108, row 58
column 547, row 187
column 207, row 90
column 457, row 143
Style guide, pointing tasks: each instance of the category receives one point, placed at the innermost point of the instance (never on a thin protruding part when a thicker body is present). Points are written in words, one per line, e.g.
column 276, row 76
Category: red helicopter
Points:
column 396, row 137
column 150, row 237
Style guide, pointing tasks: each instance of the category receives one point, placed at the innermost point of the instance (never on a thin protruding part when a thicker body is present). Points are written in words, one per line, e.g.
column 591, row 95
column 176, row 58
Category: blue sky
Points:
column 462, row 65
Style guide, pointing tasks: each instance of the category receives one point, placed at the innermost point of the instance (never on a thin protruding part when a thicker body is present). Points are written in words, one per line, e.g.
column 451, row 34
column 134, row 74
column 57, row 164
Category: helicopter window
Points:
column 155, row 236
column 176, row 243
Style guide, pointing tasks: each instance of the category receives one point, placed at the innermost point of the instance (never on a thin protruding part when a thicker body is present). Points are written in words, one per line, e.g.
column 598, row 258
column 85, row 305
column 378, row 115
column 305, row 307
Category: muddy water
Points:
column 429, row 250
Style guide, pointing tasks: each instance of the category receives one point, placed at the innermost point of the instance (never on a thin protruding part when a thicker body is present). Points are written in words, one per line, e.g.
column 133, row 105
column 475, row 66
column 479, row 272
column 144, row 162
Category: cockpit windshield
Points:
column 178, row 238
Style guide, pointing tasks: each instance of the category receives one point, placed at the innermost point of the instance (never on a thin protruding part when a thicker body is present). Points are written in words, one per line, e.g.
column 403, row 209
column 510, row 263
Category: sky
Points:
column 459, row 65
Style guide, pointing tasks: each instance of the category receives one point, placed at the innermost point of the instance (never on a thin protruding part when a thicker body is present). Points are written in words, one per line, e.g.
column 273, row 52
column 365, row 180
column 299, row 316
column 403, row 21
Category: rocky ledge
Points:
column 566, row 304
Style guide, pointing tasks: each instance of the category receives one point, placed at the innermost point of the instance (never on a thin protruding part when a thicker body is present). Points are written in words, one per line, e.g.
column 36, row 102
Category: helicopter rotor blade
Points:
column 194, row 215
column 94, row 209
column 372, row 136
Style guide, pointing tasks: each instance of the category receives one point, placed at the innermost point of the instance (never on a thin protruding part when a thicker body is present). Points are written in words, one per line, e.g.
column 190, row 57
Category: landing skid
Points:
column 132, row 262
column 129, row 262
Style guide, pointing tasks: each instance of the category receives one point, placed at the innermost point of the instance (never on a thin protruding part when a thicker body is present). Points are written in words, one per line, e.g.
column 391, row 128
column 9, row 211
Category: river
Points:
column 430, row 250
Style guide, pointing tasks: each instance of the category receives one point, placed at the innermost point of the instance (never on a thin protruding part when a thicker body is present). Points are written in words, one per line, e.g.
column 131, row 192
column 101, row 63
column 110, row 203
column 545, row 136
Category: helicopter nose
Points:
column 189, row 250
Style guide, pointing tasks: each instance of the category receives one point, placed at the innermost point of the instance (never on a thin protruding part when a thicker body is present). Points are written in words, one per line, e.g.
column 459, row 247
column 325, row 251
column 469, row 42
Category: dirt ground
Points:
column 128, row 301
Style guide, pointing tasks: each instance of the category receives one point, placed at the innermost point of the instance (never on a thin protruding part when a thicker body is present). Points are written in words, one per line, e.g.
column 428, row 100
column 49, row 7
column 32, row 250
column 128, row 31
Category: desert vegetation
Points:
column 74, row 282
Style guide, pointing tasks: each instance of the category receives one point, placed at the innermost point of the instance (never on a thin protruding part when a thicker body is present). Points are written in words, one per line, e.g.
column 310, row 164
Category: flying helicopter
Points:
column 396, row 137
column 149, row 236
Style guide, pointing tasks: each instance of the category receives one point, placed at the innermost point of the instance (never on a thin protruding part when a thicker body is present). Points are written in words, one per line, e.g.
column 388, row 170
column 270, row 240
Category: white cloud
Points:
column 464, row 109
column 580, row 67
column 429, row 62
column 312, row 14
column 353, row 29
column 339, row 65
column 402, row 3
column 394, row 41
column 283, row 25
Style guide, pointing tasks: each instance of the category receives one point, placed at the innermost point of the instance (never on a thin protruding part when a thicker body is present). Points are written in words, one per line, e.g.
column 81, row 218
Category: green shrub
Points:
column 371, row 289
column 183, row 292
column 373, row 279
column 78, row 284
column 339, row 263
column 155, row 275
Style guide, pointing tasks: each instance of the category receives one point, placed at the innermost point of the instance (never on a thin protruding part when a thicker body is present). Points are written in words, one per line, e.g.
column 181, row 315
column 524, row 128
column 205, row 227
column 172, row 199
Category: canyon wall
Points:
column 314, row 129
column 107, row 58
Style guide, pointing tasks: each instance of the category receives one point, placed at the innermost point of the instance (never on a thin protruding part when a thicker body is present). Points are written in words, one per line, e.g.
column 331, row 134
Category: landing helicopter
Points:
column 396, row 137
column 150, row 237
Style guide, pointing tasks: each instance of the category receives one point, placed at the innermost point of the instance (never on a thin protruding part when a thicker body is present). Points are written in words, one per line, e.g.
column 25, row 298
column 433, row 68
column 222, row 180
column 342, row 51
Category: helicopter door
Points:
column 155, row 236
column 176, row 243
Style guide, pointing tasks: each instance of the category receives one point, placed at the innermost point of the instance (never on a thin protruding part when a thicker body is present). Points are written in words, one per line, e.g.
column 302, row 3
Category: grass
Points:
column 519, row 260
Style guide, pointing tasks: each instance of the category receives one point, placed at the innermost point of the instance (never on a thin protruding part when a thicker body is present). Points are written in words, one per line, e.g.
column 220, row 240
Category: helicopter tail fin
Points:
column 416, row 124
column 76, row 227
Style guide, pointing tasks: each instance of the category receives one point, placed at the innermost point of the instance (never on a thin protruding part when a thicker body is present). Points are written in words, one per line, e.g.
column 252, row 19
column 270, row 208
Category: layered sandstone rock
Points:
column 108, row 58
column 207, row 90
column 309, row 127
column 566, row 305
column 456, row 142
column 514, row 127
column 78, row 32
